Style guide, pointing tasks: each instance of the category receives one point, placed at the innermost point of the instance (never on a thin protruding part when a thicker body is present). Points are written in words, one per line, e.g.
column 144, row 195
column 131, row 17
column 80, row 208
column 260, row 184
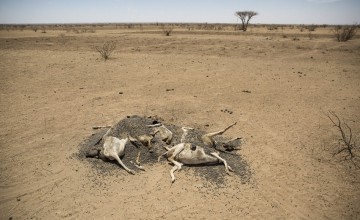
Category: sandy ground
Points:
column 55, row 87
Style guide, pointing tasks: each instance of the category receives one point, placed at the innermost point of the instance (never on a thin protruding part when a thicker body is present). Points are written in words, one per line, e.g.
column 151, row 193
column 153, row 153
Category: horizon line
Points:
column 159, row 23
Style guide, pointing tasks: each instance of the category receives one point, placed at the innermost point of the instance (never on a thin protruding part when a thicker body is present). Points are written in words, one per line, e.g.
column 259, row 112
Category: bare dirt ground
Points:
column 54, row 87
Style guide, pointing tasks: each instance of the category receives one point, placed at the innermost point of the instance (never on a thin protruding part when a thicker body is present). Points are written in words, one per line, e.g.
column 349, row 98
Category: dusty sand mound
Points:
column 136, row 125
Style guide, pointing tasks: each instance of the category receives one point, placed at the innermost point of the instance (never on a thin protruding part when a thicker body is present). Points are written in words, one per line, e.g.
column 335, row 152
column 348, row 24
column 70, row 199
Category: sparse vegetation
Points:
column 310, row 35
column 106, row 49
column 34, row 28
column 88, row 30
column 273, row 84
column 245, row 17
column 347, row 145
column 343, row 34
column 311, row 27
column 167, row 30
column 272, row 27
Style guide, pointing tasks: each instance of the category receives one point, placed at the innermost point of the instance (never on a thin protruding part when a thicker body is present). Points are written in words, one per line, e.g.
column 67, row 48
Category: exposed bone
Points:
column 134, row 141
column 208, row 139
column 146, row 141
column 137, row 162
column 138, row 159
column 107, row 133
column 154, row 125
column 139, row 167
column 165, row 134
column 99, row 127
column 184, row 153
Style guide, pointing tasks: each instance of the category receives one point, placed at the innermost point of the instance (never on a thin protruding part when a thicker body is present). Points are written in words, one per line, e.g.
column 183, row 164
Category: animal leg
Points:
column 175, row 168
column 172, row 152
column 107, row 133
column 208, row 138
column 137, row 162
column 179, row 165
column 213, row 134
column 227, row 167
column 162, row 155
column 117, row 158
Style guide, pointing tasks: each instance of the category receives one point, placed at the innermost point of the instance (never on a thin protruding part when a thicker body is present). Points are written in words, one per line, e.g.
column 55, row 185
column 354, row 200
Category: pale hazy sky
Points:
column 211, row 11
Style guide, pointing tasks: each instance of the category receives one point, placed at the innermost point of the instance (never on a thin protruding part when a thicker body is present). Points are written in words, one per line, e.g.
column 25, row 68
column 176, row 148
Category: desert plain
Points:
column 278, row 85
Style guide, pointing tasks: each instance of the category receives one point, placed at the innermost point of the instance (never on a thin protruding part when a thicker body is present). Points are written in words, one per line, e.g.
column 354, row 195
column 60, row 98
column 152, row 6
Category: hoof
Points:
column 230, row 169
column 131, row 172
column 228, row 172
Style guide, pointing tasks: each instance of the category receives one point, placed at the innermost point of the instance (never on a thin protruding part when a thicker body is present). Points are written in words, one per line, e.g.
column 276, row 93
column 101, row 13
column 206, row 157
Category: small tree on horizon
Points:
column 245, row 17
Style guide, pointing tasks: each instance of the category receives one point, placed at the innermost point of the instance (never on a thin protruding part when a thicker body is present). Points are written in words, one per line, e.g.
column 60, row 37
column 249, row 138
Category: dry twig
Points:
column 348, row 144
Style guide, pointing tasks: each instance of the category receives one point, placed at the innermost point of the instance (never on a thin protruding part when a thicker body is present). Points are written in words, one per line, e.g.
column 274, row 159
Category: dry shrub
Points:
column 311, row 27
column 87, row 30
column 106, row 49
column 272, row 27
column 34, row 28
column 343, row 34
column 347, row 145
column 43, row 28
column 167, row 30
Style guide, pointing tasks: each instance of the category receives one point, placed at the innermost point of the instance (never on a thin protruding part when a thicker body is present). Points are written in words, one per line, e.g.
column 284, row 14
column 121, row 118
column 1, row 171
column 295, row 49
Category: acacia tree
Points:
column 245, row 17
